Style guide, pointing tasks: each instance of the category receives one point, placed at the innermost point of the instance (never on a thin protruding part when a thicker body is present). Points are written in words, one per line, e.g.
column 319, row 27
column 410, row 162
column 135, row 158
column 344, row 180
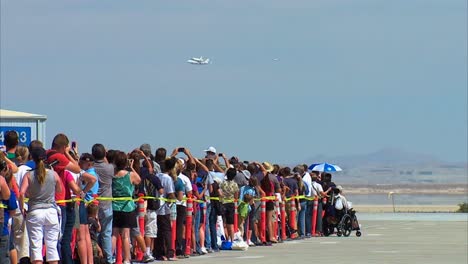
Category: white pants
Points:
column 43, row 224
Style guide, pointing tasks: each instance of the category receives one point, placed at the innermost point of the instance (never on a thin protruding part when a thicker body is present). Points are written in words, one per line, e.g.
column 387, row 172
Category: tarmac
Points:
column 398, row 240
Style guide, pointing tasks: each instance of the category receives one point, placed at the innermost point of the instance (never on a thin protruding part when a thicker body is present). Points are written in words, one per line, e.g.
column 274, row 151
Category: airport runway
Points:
column 382, row 241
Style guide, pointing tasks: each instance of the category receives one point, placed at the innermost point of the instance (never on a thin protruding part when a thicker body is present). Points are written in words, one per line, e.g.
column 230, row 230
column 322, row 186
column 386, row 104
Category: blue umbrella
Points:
column 324, row 167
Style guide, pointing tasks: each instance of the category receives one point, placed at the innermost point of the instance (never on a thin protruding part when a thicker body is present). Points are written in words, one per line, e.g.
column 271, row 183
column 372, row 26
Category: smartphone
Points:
column 181, row 150
column 220, row 154
column 73, row 144
column 129, row 163
column 246, row 162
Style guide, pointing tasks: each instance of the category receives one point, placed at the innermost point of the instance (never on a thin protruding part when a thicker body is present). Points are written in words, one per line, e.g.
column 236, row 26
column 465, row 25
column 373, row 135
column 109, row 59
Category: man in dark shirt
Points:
column 151, row 186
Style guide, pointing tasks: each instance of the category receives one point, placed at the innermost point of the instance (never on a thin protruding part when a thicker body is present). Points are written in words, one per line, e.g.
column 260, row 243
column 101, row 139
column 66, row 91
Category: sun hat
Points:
column 246, row 173
column 268, row 167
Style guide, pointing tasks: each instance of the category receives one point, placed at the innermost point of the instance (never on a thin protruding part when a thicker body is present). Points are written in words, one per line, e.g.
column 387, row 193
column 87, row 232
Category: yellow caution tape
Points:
column 266, row 198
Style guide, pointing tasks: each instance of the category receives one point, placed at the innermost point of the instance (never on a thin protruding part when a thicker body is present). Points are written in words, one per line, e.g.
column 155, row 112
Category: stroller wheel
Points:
column 358, row 233
column 339, row 234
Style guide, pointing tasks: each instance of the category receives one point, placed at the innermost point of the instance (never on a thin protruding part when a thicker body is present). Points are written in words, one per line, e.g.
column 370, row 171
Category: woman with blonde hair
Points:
column 42, row 221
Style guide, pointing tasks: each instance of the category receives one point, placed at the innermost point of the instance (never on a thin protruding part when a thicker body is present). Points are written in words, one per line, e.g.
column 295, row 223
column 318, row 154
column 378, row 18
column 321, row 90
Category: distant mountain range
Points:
column 393, row 166
column 387, row 157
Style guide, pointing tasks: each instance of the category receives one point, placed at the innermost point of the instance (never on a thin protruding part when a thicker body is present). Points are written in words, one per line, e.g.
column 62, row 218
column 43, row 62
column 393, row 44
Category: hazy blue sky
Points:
column 352, row 76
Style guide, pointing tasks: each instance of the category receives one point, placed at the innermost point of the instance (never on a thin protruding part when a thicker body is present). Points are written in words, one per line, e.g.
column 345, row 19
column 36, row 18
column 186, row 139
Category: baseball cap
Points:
column 211, row 149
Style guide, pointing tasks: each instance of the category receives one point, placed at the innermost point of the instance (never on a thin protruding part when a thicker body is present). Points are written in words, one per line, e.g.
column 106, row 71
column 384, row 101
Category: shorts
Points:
column 11, row 243
column 201, row 211
column 181, row 214
column 270, row 206
column 135, row 231
column 251, row 219
column 124, row 219
column 228, row 213
column 4, row 249
column 151, row 221
column 95, row 245
column 83, row 214
column 257, row 209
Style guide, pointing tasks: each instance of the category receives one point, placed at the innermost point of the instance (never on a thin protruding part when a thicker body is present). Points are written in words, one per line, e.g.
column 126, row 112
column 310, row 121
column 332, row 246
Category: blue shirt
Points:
column 95, row 188
column 11, row 205
column 179, row 185
column 31, row 164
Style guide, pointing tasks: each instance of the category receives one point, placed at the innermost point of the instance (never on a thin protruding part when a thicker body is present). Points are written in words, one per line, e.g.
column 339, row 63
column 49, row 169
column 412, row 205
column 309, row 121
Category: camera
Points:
column 181, row 149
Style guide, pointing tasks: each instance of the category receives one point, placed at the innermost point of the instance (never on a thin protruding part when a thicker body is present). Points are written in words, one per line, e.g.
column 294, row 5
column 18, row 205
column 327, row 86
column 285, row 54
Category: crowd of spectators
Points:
column 39, row 189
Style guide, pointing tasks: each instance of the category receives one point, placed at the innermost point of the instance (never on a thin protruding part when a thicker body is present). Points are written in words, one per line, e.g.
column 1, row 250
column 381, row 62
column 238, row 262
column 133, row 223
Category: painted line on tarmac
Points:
column 374, row 235
column 328, row 242
column 385, row 251
column 371, row 226
column 407, row 228
column 250, row 257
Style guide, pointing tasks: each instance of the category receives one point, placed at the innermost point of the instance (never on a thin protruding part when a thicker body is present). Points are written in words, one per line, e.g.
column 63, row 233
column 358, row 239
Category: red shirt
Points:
column 63, row 161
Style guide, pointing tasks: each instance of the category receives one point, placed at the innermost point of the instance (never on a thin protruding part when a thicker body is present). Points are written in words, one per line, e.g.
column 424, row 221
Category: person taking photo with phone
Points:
column 124, row 218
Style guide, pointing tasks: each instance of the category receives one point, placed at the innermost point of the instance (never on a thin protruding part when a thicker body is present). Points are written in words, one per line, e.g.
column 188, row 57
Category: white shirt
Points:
column 307, row 180
column 188, row 188
column 340, row 202
column 219, row 177
column 76, row 176
column 19, row 175
column 316, row 189
column 168, row 187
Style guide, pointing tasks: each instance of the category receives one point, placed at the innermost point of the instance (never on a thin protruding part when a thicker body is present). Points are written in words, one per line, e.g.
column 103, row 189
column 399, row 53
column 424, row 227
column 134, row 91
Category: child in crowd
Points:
column 88, row 181
column 94, row 229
